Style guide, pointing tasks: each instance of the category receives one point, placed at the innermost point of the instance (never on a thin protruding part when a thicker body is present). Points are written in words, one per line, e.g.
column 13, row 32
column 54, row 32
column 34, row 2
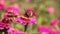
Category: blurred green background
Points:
column 43, row 18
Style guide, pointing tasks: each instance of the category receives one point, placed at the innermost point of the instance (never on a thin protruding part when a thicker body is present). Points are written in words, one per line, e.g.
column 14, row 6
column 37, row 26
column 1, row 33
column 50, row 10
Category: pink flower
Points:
column 13, row 8
column 1, row 4
column 43, row 29
column 32, row 20
column 34, row 13
column 28, row 10
column 50, row 9
column 22, row 21
column 54, row 31
column 9, row 15
column 54, row 22
column 4, row 24
column 14, row 31
column 25, row 21
column 1, row 26
column 5, row 15
column 28, row 17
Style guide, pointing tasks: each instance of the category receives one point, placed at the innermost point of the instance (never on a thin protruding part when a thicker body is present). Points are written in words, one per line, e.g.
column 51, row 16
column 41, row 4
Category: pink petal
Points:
column 43, row 29
column 50, row 9
column 54, row 22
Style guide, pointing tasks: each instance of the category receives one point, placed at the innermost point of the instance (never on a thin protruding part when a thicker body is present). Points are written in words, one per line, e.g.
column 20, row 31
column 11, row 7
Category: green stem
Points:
column 25, row 27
